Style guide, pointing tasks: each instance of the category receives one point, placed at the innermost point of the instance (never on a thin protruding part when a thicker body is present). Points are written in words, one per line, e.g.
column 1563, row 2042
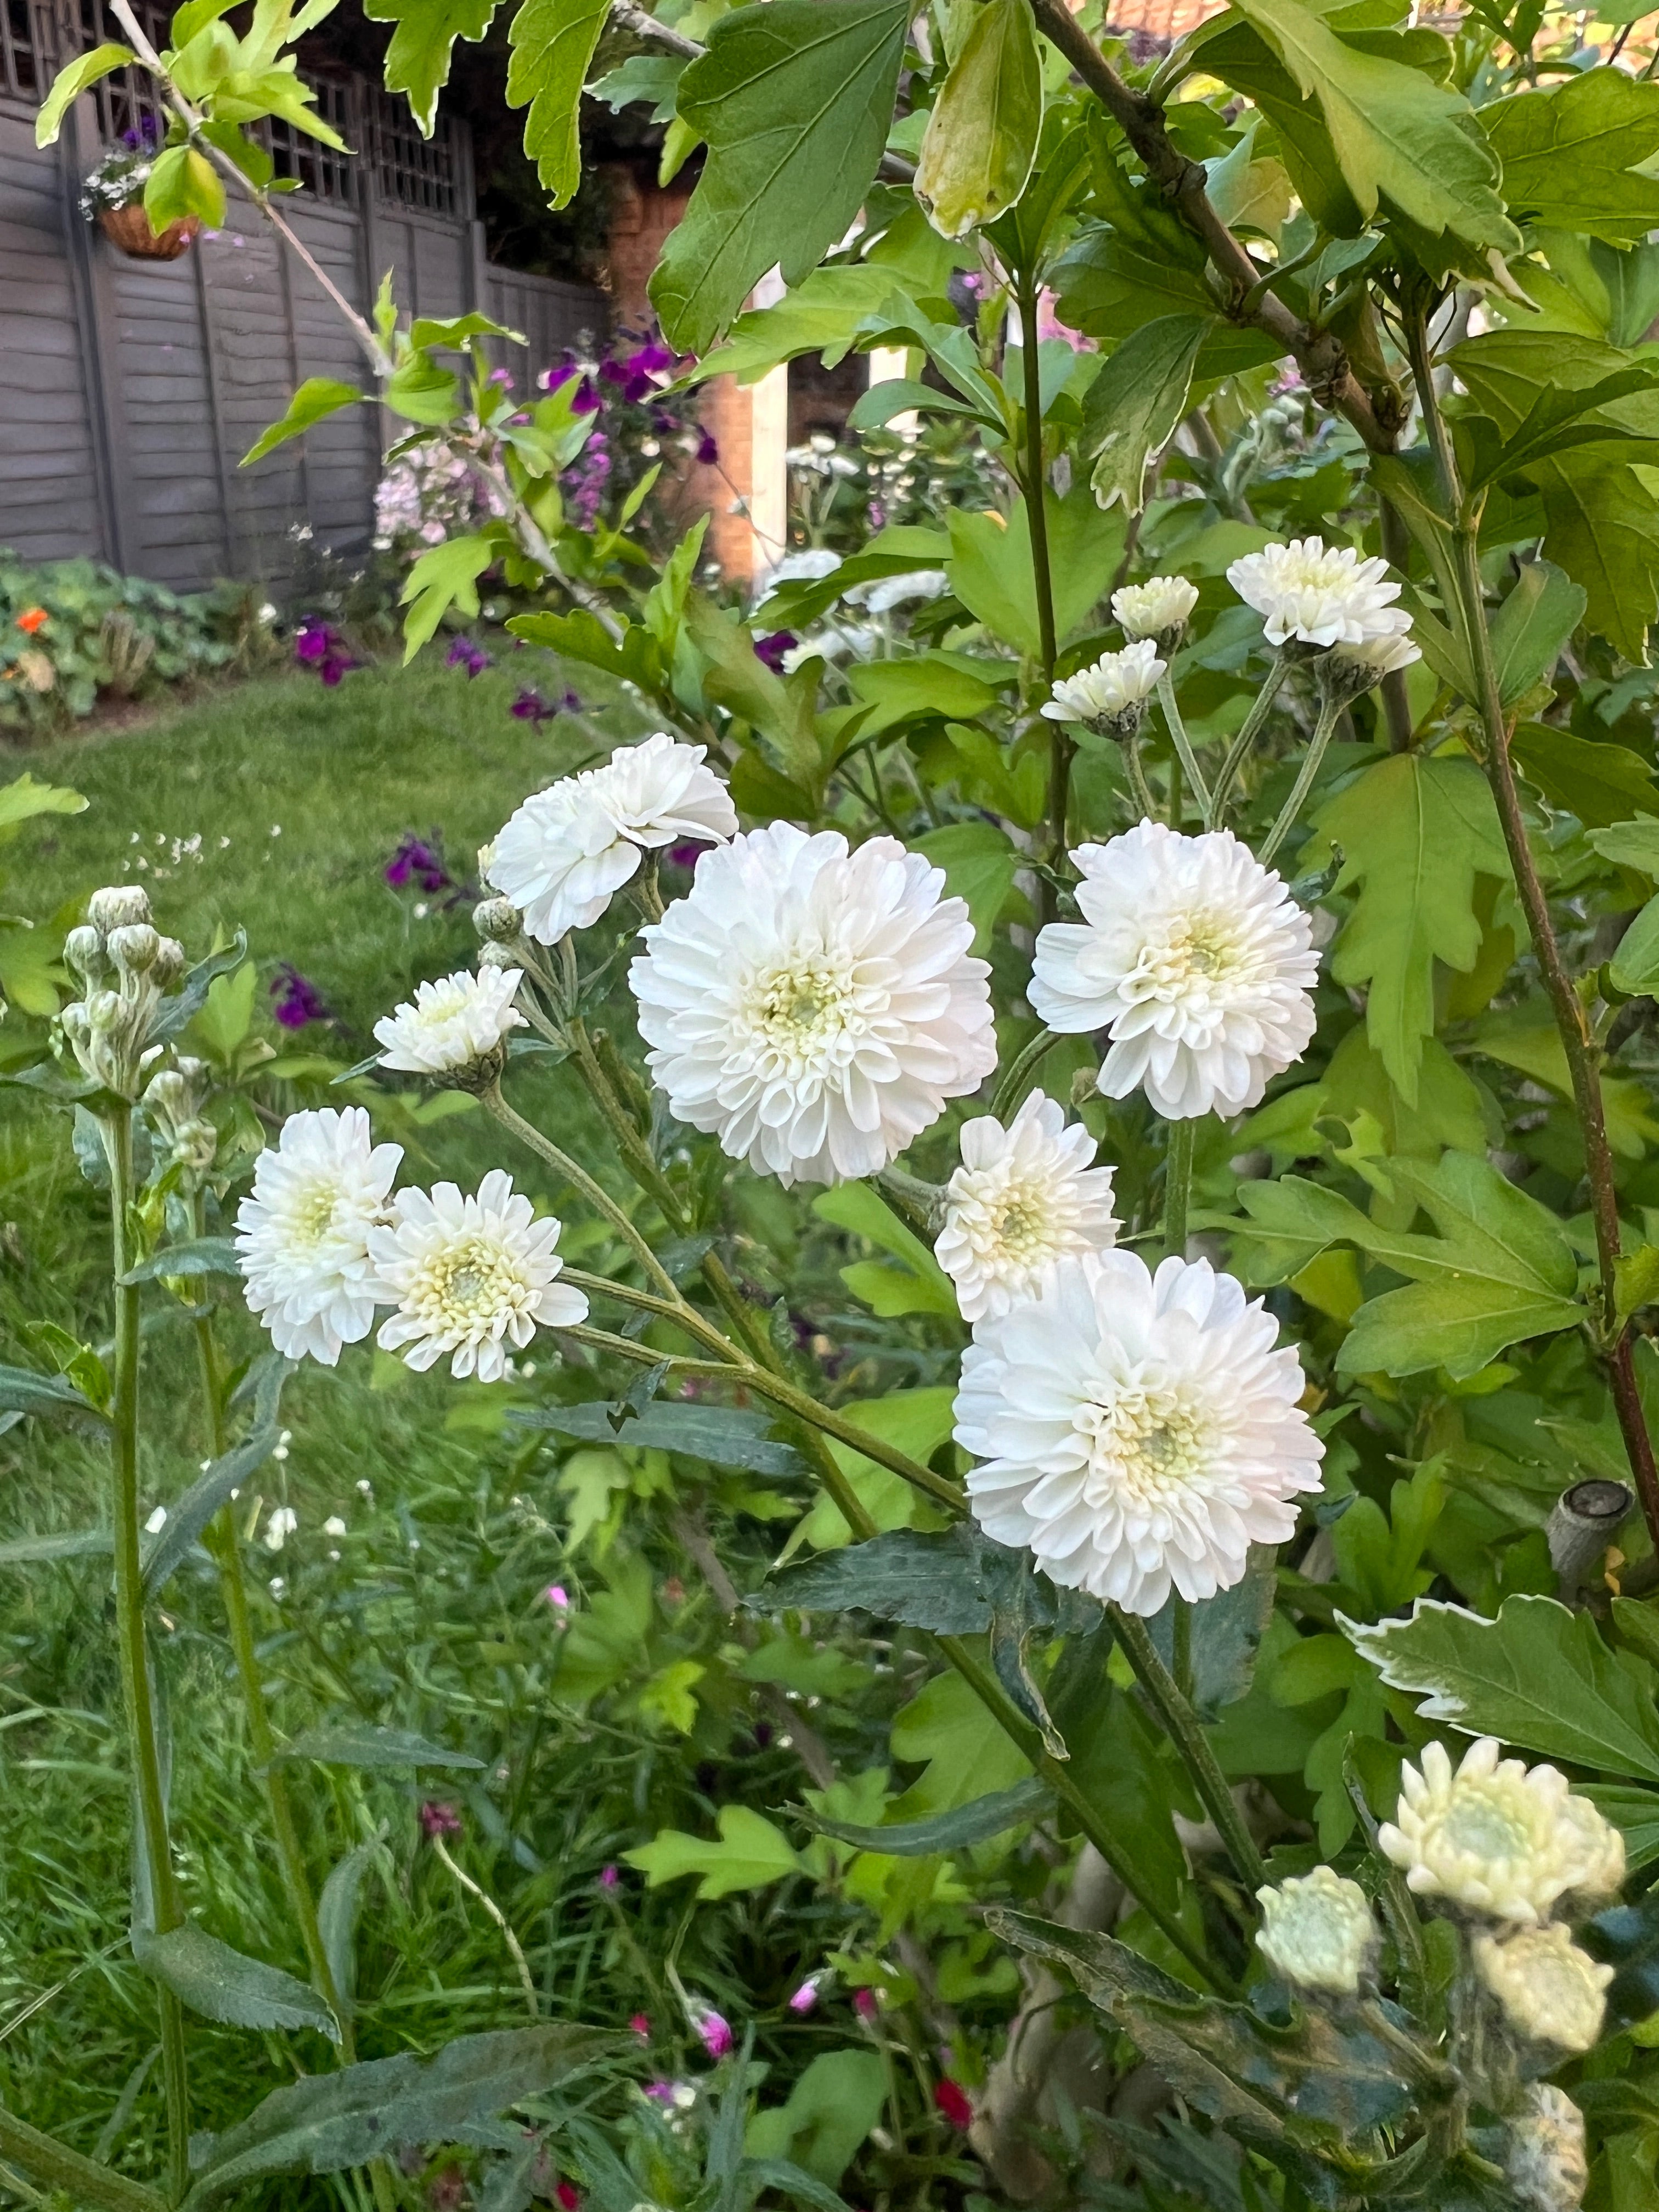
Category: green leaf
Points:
column 23, row 798
column 830, row 2111
column 1630, row 845
column 1601, row 784
column 317, row 398
column 183, row 183
column 1414, row 833
column 980, row 863
column 975, row 1822
column 1543, row 608
column 821, row 315
column 1226, row 1632
column 1569, row 154
column 222, row 1984
column 48, row 1396
column 329, row 2122
column 918, row 1285
column 946, row 684
column 794, row 99
column 201, row 1255
column 445, row 576
column 417, row 58
column 84, row 1544
column 1397, row 134
column 71, row 81
column 874, row 408
column 423, row 391
column 968, row 1751
column 917, row 1581
column 1635, row 1280
column 361, row 1743
column 553, row 43
column 338, row 1908
column 1131, row 410
column 735, row 678
column 751, row 1854
column 212, row 1488
column 1634, row 1812
column 990, row 565
column 723, row 1435
column 1634, row 966
column 981, row 137
column 1538, row 1677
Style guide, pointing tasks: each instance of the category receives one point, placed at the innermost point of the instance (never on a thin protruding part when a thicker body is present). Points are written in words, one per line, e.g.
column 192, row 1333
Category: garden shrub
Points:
column 74, row 633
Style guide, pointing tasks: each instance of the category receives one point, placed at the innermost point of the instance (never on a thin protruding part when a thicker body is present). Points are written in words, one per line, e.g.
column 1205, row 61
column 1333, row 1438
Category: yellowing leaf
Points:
column 981, row 137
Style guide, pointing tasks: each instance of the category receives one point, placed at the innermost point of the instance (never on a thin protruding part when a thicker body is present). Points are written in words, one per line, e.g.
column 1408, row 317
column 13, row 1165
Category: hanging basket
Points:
column 129, row 228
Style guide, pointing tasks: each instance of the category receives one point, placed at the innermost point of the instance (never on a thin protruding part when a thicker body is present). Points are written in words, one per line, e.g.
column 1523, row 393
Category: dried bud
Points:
column 117, row 906
column 498, row 919
column 133, row 947
column 1547, row 2167
column 83, row 948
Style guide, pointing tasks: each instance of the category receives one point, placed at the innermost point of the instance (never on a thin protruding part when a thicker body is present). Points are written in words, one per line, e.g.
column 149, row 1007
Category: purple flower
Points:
column 570, row 701
column 586, row 401
column 807, row 1995
column 319, row 645
column 463, row 653
column 655, row 359
column 707, row 452
column 416, row 861
column 687, row 853
column 609, row 1878
column 438, row 1819
column 531, row 706
column 613, row 370
column 661, row 2093
column 295, row 1000
column 772, row 647
column 503, row 377
column 877, row 515
column 712, row 2029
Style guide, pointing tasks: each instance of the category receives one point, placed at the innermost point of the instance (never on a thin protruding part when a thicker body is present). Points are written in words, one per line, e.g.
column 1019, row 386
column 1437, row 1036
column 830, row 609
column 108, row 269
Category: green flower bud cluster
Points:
column 126, row 967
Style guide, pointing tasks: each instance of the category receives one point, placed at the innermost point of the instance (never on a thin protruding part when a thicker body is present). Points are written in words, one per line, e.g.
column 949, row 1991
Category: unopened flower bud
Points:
column 1317, row 1932
column 497, row 919
column 711, row 2028
column 1547, row 2167
column 133, row 947
column 169, row 1096
column 76, row 1023
column 103, row 1008
column 169, row 964
column 117, row 906
column 83, row 948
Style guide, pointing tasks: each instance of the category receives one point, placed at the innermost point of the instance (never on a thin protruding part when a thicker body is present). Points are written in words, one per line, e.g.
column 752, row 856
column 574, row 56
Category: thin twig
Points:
column 474, row 1889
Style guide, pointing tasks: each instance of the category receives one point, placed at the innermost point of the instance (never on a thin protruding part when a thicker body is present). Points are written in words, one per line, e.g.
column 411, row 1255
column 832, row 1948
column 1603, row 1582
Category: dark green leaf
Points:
column 916, row 1580
column 1570, row 155
column 204, row 1255
column 1226, row 1632
column 723, row 1435
column 211, row 1489
column 176, row 1012
column 49, row 1397
column 1601, row 784
column 222, row 1984
column 337, row 1911
column 975, row 1822
column 360, row 1743
column 1540, row 614
column 1131, row 410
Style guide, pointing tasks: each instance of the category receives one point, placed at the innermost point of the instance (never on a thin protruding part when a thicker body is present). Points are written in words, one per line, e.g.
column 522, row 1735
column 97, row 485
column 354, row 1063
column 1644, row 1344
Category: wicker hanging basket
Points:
column 129, row 228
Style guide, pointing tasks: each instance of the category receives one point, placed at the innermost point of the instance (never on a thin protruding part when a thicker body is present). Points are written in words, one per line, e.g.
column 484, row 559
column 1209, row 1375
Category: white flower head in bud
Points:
column 169, row 964
column 1112, row 694
column 1499, row 1837
column 1547, row 2166
column 1160, row 608
column 280, row 1525
column 1196, row 959
column 474, row 1277
column 569, row 849
column 133, row 947
column 1024, row 1197
column 497, row 919
column 117, row 906
column 85, row 950
column 453, row 1024
column 1136, row 1432
column 814, row 1007
column 1551, row 1991
column 1316, row 594
column 302, row 1232
column 1317, row 1930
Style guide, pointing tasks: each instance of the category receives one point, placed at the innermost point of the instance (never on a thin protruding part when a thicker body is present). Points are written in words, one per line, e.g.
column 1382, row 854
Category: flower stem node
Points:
column 1549, row 1990
column 1500, row 1839
column 1318, row 1932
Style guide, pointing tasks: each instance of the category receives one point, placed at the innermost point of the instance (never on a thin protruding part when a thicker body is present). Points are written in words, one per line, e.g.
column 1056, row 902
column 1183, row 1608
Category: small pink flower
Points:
column 557, row 1596
column 609, row 1877
column 711, row 2028
column 954, row 2103
column 640, row 2024
column 807, row 1995
column 865, row 2003
column 567, row 2197
column 440, row 1819
column 662, row 2092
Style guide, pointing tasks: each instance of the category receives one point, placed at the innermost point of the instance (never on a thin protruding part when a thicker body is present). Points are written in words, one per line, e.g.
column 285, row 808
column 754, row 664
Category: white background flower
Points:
column 470, row 1276
column 1155, row 608
column 1195, row 957
column 1551, row 1991
column 302, row 1232
column 1024, row 1197
column 453, row 1023
column 814, row 1007
column 1136, row 1432
column 570, row 848
column 1498, row 1837
column 1318, row 594
column 1114, row 686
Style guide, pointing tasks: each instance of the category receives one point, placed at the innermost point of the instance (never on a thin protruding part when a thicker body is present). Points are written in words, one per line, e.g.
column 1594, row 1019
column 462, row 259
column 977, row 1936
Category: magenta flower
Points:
column 711, row 2028
column 806, row 1997
column 295, row 1000
column 531, row 706
column 438, row 1819
column 463, row 653
column 609, row 1878
column 557, row 1596
column 865, row 2003
column 317, row 645
column 661, row 2093
column 772, row 647
column 414, row 860
column 954, row 2103
column 641, row 2025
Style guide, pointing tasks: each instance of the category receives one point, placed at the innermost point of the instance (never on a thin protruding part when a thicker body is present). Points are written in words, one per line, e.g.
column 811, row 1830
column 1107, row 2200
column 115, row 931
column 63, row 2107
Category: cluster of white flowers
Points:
column 428, row 493
column 323, row 1244
column 1499, row 1841
column 1194, row 957
column 1135, row 1431
column 814, row 1007
column 571, row 848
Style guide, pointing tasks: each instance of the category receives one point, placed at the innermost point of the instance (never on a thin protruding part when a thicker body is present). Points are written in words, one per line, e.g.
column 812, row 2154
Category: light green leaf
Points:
column 318, row 398
column 990, row 565
column 1631, row 845
column 183, row 183
column 821, row 315
column 917, row 1284
column 74, row 78
column 981, row 137
column 794, row 99
column 1414, row 833
column 1131, row 410
column 969, row 1753
column 1538, row 1677
column 553, row 43
column 446, row 576
column 925, row 683
column 916, row 1422
column 1569, row 154
column 1601, row 784
column 1543, row 608
column 23, row 798
column 222, row 1984
column 1396, row 132
column 977, row 1822
column 1634, row 966
column 417, row 58
column 424, row 392
column 751, row 1854
column 830, row 2111
column 781, row 710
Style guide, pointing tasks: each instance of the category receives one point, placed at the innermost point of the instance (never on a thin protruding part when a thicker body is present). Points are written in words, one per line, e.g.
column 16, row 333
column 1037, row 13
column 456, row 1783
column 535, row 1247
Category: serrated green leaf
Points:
column 553, row 43
column 329, row 2122
column 417, row 57
column 1131, row 409
column 1413, row 833
column 23, row 798
column 224, row 1984
column 1538, row 1677
column 916, row 1580
column 360, row 1743
column 444, row 577
column 750, row 1853
column 794, row 99
column 981, row 137
column 1569, row 154
column 317, row 398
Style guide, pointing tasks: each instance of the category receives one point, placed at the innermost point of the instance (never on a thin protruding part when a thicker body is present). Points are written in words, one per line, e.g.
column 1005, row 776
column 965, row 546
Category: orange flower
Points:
column 33, row 619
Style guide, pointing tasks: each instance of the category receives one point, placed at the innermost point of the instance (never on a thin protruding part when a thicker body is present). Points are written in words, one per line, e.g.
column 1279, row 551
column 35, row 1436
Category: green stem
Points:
column 1190, row 1741
column 595, row 1193
column 681, row 1314
column 83, row 2180
column 1239, row 749
column 1139, row 788
column 1177, row 1186
column 167, row 1906
column 1328, row 715
column 1030, row 1055
column 1183, row 745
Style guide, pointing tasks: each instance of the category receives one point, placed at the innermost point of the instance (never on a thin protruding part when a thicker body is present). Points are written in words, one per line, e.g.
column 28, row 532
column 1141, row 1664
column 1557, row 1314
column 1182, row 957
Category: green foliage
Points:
column 553, row 43
column 982, row 135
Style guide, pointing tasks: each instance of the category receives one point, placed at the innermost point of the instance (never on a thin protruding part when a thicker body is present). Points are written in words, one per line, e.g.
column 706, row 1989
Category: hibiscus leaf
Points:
column 1571, row 154
column 417, row 58
column 553, row 42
